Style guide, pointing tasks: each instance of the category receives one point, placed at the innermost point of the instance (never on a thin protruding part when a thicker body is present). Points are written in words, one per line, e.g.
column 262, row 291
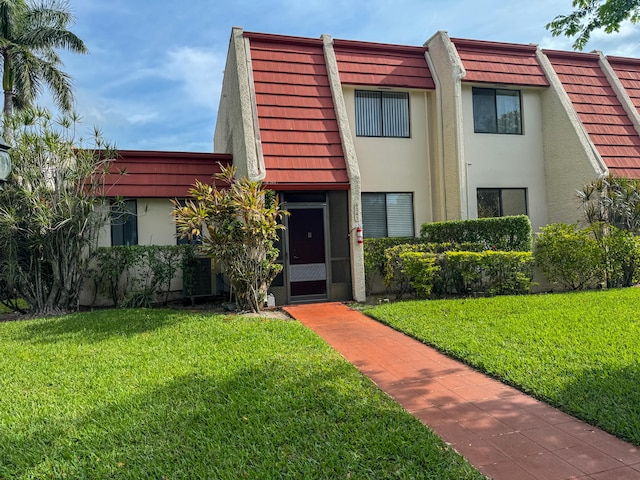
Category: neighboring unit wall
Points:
column 397, row 164
column 507, row 160
column 570, row 158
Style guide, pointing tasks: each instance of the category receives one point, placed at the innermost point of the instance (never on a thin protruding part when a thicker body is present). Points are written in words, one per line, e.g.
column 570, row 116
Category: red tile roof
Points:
column 301, row 142
column 628, row 71
column 375, row 64
column 502, row 63
column 142, row 173
column 606, row 122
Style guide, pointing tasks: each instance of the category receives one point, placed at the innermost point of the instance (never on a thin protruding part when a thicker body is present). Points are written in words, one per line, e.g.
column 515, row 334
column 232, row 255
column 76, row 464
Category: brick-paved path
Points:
column 501, row 431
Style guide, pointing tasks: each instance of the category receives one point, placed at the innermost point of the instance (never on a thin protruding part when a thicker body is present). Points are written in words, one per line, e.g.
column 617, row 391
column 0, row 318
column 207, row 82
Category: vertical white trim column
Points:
column 447, row 70
column 254, row 168
column 620, row 91
column 353, row 171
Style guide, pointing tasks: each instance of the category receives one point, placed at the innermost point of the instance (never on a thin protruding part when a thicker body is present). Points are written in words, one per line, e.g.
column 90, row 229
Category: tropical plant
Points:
column 50, row 210
column 30, row 33
column 242, row 223
column 590, row 15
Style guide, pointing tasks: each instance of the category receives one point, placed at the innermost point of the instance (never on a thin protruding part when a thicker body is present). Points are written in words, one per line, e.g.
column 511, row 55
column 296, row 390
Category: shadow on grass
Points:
column 98, row 325
column 273, row 420
column 607, row 397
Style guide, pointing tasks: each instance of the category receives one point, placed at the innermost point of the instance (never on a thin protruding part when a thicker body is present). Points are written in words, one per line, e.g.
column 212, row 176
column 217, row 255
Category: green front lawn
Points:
column 578, row 351
column 168, row 394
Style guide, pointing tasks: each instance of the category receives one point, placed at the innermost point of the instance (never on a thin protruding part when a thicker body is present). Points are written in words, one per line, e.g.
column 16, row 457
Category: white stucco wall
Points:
column 397, row 164
column 507, row 160
column 155, row 227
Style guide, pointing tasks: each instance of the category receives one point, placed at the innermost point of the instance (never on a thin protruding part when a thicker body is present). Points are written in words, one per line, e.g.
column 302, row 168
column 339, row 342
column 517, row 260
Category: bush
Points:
column 378, row 262
column 421, row 270
column 135, row 276
column 459, row 272
column 374, row 255
column 395, row 279
column 569, row 256
column 500, row 233
column 621, row 252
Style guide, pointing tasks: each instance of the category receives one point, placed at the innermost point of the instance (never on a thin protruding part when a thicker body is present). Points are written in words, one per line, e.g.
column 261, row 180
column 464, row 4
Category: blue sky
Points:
column 153, row 75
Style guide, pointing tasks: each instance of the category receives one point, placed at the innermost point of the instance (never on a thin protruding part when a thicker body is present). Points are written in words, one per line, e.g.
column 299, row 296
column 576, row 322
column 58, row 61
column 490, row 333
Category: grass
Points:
column 579, row 351
column 168, row 394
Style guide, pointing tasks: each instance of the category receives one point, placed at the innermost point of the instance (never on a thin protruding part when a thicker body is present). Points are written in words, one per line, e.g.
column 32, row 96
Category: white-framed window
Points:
column 387, row 215
column 502, row 202
column 497, row 111
column 382, row 114
column 124, row 222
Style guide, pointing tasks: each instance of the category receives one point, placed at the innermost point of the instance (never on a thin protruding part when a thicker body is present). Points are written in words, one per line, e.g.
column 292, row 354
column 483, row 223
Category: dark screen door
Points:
column 307, row 265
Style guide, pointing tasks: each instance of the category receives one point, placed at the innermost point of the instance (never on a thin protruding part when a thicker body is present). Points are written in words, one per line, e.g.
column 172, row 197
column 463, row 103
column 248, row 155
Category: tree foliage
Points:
column 30, row 33
column 590, row 15
column 241, row 225
column 50, row 210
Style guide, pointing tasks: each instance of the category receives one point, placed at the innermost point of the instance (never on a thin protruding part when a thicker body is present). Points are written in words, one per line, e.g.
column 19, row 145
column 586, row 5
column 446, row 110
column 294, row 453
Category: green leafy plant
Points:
column 569, row 256
column 136, row 275
column 500, row 233
column 242, row 224
column 421, row 270
column 51, row 209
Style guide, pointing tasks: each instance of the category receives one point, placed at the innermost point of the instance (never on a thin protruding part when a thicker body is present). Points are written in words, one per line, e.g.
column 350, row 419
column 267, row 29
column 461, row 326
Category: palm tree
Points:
column 30, row 33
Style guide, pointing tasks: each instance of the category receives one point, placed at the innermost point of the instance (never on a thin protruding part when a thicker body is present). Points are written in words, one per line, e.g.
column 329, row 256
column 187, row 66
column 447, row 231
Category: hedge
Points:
column 499, row 233
column 414, row 267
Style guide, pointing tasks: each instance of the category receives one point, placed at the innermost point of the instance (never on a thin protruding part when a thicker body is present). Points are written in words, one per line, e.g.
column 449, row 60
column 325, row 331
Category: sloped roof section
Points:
column 502, row 63
column 149, row 174
column 600, row 111
column 301, row 142
column 380, row 65
column 628, row 71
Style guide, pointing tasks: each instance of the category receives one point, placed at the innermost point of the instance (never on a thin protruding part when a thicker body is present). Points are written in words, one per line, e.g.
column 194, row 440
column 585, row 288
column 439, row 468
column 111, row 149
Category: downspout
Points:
column 353, row 171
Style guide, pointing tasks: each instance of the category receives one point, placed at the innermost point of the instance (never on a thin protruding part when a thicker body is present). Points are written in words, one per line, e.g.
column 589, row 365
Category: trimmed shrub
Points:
column 500, row 233
column 460, row 272
column 395, row 279
column 507, row 273
column 421, row 270
column 374, row 257
column 569, row 256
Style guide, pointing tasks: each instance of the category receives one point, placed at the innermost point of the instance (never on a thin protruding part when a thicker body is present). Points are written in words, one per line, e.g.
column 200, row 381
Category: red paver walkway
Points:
column 501, row 431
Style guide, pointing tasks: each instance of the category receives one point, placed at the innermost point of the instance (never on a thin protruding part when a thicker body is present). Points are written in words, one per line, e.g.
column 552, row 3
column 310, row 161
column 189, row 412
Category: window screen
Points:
column 387, row 215
column 382, row 114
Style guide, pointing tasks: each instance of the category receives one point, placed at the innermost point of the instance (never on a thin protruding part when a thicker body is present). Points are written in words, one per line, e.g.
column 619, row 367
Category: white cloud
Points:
column 199, row 72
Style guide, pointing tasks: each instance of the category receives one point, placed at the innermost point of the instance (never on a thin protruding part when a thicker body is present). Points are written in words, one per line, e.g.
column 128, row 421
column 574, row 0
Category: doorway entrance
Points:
column 306, row 255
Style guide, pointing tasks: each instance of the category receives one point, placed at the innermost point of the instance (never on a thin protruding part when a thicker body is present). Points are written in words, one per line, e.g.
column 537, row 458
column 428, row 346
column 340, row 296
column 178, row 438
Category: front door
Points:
column 306, row 262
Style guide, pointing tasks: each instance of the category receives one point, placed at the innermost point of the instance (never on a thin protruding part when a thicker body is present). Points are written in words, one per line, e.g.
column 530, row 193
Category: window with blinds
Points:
column 387, row 215
column 382, row 114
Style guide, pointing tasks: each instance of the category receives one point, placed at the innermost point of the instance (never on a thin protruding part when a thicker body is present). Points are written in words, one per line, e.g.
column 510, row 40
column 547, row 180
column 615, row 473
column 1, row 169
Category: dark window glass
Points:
column 501, row 202
column 124, row 223
column 496, row 111
column 382, row 114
